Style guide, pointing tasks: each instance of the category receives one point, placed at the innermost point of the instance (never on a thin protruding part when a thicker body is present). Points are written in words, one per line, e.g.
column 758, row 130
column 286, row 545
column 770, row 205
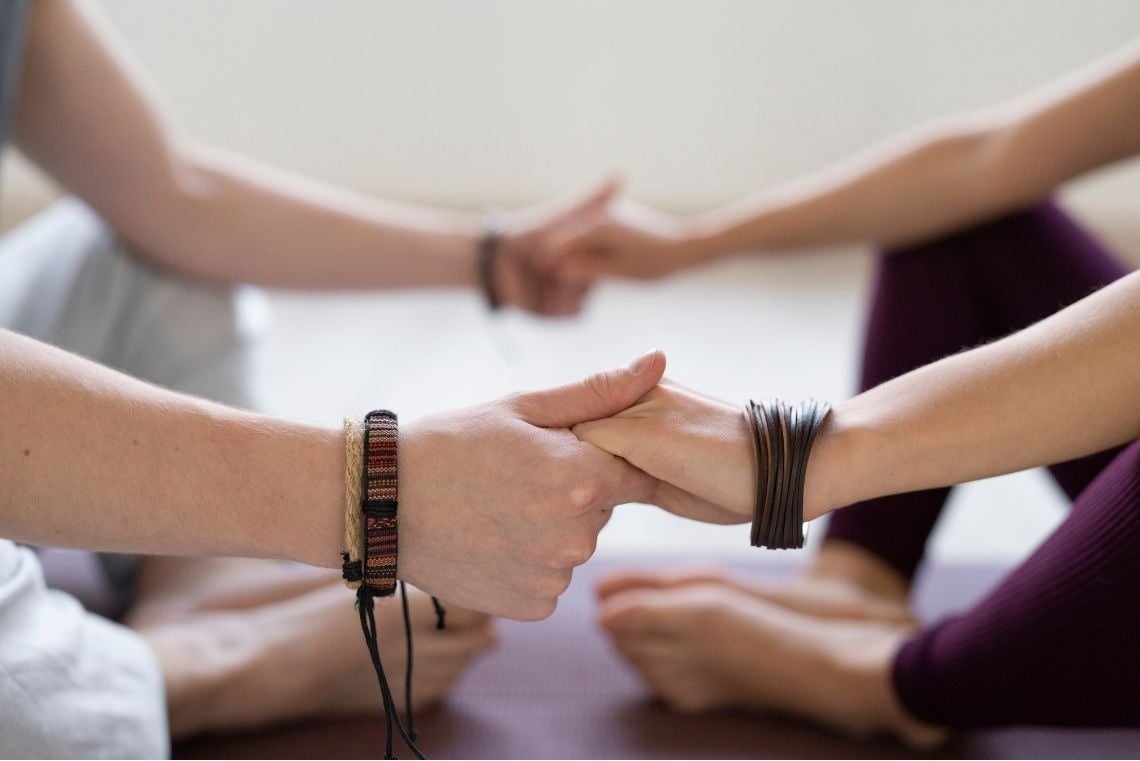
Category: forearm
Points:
column 230, row 219
column 914, row 186
column 1061, row 389
column 91, row 458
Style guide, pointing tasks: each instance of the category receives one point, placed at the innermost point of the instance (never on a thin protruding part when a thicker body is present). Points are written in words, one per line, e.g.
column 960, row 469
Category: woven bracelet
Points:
column 379, row 502
column 782, row 437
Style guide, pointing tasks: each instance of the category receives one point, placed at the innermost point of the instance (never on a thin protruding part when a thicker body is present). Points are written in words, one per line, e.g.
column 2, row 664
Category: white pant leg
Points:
column 72, row 685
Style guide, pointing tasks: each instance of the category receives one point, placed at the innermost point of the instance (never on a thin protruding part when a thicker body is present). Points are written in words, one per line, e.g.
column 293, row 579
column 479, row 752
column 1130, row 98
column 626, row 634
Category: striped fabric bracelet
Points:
column 379, row 501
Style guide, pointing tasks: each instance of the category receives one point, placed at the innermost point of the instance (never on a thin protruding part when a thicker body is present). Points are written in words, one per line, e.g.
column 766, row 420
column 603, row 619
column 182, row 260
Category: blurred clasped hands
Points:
column 555, row 251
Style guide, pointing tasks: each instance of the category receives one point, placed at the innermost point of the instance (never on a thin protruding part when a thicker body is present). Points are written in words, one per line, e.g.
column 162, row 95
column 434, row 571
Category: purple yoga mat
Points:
column 555, row 690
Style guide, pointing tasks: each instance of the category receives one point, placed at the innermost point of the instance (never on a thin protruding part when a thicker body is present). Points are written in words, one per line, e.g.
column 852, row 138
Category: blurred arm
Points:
column 949, row 173
column 87, row 115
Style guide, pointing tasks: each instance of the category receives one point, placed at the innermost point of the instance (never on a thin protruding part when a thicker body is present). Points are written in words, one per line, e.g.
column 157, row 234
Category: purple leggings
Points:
column 1057, row 642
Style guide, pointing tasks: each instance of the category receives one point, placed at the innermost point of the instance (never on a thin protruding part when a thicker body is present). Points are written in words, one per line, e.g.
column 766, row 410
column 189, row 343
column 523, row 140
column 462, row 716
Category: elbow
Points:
column 986, row 166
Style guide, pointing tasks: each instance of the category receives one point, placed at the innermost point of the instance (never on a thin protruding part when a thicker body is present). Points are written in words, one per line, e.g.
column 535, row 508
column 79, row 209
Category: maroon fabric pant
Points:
column 1058, row 642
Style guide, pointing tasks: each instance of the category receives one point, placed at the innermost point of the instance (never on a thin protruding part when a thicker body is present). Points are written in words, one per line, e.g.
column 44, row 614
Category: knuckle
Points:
column 581, row 551
column 538, row 610
column 601, row 385
column 587, row 494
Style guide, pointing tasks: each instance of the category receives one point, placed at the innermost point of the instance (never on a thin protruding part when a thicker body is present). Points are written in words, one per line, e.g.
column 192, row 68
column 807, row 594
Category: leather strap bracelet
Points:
column 490, row 246
column 782, row 437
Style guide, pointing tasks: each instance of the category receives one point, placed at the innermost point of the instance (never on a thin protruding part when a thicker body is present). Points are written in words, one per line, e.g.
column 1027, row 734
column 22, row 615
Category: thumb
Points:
column 596, row 198
column 598, row 396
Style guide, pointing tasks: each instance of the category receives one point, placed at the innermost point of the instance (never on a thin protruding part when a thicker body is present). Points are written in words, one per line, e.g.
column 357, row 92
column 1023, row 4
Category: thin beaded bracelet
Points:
column 782, row 438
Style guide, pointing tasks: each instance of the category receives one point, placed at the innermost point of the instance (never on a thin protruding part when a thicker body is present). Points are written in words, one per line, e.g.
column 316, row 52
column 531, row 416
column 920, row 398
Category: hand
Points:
column 627, row 240
column 699, row 449
column 523, row 275
column 499, row 502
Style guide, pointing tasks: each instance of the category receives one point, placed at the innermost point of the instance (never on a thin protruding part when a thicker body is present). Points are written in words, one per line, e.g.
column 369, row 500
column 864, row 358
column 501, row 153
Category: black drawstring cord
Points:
column 440, row 614
column 408, row 667
column 365, row 606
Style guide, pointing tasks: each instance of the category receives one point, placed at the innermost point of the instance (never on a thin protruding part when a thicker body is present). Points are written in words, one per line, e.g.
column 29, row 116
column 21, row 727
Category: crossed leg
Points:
column 244, row 643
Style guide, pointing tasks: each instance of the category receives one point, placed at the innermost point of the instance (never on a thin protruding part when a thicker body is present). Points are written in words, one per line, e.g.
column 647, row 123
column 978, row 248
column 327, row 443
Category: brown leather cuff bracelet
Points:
column 782, row 436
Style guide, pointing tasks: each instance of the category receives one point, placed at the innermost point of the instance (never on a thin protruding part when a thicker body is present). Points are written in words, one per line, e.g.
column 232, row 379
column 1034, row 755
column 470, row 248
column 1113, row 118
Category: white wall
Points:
column 506, row 101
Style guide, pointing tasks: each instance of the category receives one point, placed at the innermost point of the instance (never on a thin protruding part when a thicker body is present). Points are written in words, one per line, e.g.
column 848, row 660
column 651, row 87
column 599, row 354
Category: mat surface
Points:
column 555, row 690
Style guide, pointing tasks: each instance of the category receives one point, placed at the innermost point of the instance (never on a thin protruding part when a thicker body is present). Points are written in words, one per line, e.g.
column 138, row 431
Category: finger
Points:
column 617, row 436
column 636, row 611
column 676, row 500
column 598, row 396
column 620, row 581
column 593, row 200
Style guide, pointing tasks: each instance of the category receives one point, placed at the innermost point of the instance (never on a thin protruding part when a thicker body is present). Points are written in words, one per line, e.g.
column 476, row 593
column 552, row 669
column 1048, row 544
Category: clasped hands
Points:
column 500, row 502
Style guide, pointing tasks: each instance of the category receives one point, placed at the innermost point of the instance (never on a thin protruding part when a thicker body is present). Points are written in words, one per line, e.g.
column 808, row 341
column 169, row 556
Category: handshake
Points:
column 500, row 502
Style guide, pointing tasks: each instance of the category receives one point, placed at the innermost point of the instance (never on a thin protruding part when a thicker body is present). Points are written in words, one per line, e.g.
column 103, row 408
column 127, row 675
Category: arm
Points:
column 88, row 116
column 1061, row 389
column 933, row 179
column 498, row 502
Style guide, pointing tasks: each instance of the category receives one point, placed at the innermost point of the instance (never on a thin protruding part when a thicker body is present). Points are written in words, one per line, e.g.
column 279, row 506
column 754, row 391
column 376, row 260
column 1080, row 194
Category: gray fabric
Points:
column 12, row 14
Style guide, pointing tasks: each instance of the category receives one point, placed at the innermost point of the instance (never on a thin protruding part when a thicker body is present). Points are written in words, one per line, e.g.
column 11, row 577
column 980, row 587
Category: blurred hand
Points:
column 499, row 502
column 523, row 276
column 699, row 449
column 627, row 239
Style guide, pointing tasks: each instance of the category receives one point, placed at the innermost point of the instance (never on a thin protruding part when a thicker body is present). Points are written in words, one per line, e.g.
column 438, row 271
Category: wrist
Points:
column 839, row 469
column 701, row 239
column 725, row 232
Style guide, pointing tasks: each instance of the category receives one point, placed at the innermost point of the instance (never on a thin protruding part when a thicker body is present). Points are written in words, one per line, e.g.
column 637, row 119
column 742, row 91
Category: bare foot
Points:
column 170, row 588
column 304, row 656
column 701, row 646
column 842, row 581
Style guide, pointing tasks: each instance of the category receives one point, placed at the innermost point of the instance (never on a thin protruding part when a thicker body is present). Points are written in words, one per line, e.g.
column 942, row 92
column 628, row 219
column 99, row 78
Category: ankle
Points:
column 871, row 669
column 842, row 561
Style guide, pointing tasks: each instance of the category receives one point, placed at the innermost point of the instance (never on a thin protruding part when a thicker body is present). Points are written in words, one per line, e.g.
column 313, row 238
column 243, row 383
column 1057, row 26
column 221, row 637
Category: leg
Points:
column 301, row 656
column 1055, row 642
column 938, row 298
column 72, row 685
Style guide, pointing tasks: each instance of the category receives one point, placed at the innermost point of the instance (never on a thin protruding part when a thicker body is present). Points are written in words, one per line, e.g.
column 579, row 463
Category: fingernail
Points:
column 642, row 363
